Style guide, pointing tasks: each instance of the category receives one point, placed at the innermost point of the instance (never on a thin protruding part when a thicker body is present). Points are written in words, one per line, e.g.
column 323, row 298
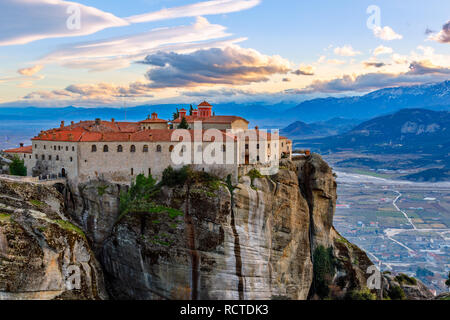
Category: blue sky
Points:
column 153, row 51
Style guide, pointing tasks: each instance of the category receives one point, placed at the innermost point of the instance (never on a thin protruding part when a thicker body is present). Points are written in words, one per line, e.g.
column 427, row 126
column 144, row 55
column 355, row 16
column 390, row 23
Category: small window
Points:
column 73, row 148
column 49, row 157
column 257, row 158
column 145, row 148
column 36, row 156
column 45, row 147
column 171, row 148
column 43, row 157
column 67, row 148
column 246, row 146
column 105, row 148
column 132, row 171
column 158, row 148
column 149, row 172
column 224, row 148
column 54, row 148
column 35, row 146
column 57, row 158
column 71, row 159
column 119, row 148
column 257, row 146
column 133, row 148
column 24, row 155
column 94, row 148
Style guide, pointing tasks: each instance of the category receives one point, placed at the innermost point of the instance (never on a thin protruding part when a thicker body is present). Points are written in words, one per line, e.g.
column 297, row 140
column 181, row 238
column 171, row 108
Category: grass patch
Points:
column 5, row 217
column 101, row 190
column 66, row 225
column 37, row 203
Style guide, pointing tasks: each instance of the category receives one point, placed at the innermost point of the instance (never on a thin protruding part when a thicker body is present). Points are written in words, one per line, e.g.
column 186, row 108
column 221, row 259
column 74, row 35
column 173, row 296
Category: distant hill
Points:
column 430, row 175
column 331, row 127
column 422, row 135
column 434, row 96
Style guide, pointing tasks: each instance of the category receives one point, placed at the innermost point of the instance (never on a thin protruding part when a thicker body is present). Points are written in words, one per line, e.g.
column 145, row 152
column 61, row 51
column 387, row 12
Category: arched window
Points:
column 105, row 148
column 171, row 148
column 73, row 148
column 133, row 148
column 158, row 148
column 57, row 158
column 119, row 148
column 145, row 148
column 94, row 148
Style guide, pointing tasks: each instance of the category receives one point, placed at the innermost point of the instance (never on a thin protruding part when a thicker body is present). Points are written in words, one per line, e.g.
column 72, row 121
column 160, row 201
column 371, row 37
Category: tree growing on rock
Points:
column 17, row 167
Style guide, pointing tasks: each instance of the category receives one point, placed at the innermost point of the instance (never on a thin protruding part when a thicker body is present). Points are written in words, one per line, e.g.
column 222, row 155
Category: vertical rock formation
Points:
column 42, row 254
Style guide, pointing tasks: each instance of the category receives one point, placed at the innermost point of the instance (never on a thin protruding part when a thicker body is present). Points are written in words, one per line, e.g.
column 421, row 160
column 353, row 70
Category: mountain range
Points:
column 435, row 96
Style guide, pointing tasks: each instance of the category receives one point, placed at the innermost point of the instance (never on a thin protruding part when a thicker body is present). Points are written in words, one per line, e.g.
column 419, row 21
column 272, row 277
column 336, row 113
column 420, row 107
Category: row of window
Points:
column 132, row 148
column 49, row 157
column 59, row 148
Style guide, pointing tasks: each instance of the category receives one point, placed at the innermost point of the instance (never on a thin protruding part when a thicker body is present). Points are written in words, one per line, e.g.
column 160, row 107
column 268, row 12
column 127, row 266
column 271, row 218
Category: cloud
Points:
column 374, row 64
column 386, row 34
column 120, row 52
column 304, row 71
column 382, row 50
column 443, row 36
column 30, row 71
column 346, row 51
column 229, row 66
column 24, row 21
column 104, row 92
column 197, row 9
column 420, row 72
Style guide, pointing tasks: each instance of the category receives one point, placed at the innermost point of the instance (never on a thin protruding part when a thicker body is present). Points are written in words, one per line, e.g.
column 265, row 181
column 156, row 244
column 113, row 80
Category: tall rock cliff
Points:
column 42, row 254
column 263, row 238
column 254, row 240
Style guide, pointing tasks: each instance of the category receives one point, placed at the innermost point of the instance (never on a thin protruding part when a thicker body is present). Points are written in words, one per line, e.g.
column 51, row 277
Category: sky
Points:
column 112, row 52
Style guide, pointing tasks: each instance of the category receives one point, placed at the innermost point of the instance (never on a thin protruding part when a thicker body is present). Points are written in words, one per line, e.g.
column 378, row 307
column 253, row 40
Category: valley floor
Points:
column 403, row 226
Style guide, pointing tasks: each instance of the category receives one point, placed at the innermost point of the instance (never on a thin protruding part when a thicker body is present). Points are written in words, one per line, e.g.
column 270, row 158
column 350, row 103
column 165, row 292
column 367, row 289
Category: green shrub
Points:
column 396, row 293
column 140, row 199
column 101, row 190
column 404, row 279
column 174, row 178
column 363, row 294
column 17, row 167
column 323, row 268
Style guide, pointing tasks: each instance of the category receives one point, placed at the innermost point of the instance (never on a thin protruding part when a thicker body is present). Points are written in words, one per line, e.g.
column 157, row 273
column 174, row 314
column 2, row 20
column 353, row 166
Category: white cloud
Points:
column 382, row 50
column 386, row 33
column 30, row 71
column 119, row 52
column 346, row 51
column 442, row 36
column 197, row 9
column 24, row 21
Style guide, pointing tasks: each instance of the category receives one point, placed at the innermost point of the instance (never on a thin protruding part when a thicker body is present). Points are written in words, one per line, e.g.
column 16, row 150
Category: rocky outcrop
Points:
column 266, row 237
column 255, row 241
column 42, row 254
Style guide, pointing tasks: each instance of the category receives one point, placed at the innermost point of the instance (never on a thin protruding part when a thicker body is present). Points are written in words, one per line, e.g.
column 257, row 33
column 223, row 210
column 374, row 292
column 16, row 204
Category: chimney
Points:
column 97, row 121
column 182, row 113
column 72, row 123
column 195, row 113
column 62, row 124
column 113, row 120
column 21, row 144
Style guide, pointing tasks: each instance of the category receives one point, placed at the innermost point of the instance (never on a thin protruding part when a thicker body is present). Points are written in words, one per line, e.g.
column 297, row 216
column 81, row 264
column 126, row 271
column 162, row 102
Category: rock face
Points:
column 259, row 239
column 42, row 254
column 252, row 242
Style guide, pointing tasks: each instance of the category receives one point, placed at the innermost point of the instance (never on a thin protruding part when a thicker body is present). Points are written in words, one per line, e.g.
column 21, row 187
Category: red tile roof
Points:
column 204, row 104
column 153, row 121
column 27, row 149
column 213, row 119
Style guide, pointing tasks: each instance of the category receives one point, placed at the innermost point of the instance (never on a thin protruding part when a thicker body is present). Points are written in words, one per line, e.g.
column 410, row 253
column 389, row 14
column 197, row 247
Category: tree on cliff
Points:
column 17, row 168
column 447, row 283
column 183, row 124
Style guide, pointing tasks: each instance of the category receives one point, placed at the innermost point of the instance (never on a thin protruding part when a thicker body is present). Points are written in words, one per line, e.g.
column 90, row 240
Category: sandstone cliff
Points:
column 264, row 238
column 42, row 254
